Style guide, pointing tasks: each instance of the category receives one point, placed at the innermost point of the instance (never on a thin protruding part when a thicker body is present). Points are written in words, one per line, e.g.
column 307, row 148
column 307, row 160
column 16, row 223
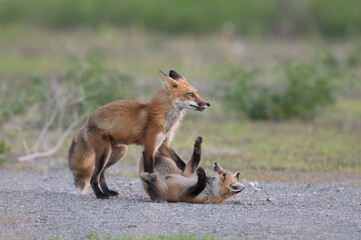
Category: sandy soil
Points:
column 45, row 205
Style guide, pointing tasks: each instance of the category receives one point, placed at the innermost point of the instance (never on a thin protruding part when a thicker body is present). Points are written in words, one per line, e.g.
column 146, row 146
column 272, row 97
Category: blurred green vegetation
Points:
column 3, row 147
column 354, row 57
column 88, row 53
column 301, row 89
column 331, row 18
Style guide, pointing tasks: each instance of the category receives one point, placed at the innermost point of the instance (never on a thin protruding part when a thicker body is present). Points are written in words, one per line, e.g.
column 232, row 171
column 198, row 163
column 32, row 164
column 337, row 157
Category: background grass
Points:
column 62, row 59
column 332, row 18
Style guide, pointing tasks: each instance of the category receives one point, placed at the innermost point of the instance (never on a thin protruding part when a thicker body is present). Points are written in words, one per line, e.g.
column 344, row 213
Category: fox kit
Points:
column 190, row 185
column 103, row 140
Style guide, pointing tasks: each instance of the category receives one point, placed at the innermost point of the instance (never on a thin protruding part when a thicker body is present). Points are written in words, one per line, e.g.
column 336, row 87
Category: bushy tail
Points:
column 81, row 160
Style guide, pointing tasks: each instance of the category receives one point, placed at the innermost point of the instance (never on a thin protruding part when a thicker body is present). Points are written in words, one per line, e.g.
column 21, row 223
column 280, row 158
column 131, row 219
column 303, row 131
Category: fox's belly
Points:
column 177, row 184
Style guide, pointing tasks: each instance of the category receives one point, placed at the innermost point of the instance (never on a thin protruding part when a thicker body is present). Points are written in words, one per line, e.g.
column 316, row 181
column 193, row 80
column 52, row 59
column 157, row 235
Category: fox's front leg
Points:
column 153, row 140
column 190, row 194
column 148, row 162
column 153, row 191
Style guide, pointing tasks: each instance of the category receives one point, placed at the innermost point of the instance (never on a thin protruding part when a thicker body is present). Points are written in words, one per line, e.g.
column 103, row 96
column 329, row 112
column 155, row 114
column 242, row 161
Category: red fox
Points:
column 190, row 185
column 103, row 140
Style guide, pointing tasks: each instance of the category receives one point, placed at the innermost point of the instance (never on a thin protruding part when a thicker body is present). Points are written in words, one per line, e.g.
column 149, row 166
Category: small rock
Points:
column 254, row 184
column 340, row 189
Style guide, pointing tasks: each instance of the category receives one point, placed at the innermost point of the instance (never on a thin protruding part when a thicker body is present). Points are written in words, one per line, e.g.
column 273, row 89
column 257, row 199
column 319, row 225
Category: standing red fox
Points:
column 103, row 140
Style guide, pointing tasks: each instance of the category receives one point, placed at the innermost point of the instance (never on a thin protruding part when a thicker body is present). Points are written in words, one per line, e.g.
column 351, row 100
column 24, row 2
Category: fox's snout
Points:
column 215, row 166
column 202, row 106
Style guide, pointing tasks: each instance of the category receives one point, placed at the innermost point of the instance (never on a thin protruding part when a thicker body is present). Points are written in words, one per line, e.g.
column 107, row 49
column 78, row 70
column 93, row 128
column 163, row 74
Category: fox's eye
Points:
column 191, row 94
column 224, row 175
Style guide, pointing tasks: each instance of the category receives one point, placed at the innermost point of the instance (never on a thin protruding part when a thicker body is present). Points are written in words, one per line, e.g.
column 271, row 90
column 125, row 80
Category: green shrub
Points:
column 300, row 91
column 354, row 57
column 327, row 58
column 3, row 147
column 16, row 98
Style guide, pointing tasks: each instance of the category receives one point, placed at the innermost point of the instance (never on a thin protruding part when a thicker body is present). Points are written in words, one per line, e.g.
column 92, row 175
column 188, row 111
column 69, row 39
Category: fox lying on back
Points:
column 190, row 185
column 103, row 140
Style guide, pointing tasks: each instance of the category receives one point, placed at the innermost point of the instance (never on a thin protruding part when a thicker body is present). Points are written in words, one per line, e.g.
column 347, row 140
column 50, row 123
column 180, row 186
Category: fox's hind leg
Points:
column 101, row 158
column 166, row 150
column 196, row 157
column 118, row 153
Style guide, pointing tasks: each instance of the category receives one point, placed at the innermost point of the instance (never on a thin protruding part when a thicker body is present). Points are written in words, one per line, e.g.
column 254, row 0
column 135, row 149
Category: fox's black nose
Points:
column 203, row 103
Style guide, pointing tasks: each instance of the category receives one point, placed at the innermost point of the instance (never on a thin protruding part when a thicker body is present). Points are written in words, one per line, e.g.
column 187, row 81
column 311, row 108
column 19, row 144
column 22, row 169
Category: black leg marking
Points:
column 178, row 161
column 104, row 186
column 148, row 163
column 196, row 157
column 199, row 187
column 167, row 151
column 96, row 175
column 71, row 150
column 117, row 153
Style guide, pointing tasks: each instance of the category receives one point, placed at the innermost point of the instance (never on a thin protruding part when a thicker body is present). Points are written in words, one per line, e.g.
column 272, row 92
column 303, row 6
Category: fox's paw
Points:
column 148, row 177
column 103, row 196
column 197, row 144
column 198, row 141
column 201, row 173
column 144, row 176
column 152, row 177
column 112, row 193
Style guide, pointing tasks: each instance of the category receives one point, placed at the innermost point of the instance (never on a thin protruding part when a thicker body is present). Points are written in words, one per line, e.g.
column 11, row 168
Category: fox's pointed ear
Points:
column 167, row 81
column 236, row 187
column 173, row 74
column 236, row 175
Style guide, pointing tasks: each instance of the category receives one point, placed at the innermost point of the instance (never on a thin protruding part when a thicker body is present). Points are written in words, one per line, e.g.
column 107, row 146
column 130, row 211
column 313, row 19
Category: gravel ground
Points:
column 40, row 205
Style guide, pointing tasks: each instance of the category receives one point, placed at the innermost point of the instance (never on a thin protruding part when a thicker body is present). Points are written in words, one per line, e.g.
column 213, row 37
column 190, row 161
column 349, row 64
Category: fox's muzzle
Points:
column 202, row 106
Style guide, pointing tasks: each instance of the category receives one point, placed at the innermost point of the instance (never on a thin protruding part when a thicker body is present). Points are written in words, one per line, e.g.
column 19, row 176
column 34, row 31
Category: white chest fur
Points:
column 159, row 140
column 172, row 121
column 173, row 118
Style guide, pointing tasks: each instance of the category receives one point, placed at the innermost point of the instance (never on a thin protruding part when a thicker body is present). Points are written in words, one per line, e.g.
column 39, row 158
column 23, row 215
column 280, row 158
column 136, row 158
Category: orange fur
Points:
column 110, row 128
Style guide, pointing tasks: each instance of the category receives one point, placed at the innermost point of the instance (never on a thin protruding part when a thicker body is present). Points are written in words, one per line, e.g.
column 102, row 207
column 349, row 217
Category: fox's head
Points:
column 227, row 183
column 181, row 93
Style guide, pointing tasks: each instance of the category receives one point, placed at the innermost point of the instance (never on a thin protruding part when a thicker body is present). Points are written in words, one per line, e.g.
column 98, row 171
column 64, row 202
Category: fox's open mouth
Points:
column 198, row 108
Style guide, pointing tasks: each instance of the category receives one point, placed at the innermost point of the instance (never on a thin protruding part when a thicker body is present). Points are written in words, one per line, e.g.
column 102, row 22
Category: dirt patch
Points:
column 45, row 205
